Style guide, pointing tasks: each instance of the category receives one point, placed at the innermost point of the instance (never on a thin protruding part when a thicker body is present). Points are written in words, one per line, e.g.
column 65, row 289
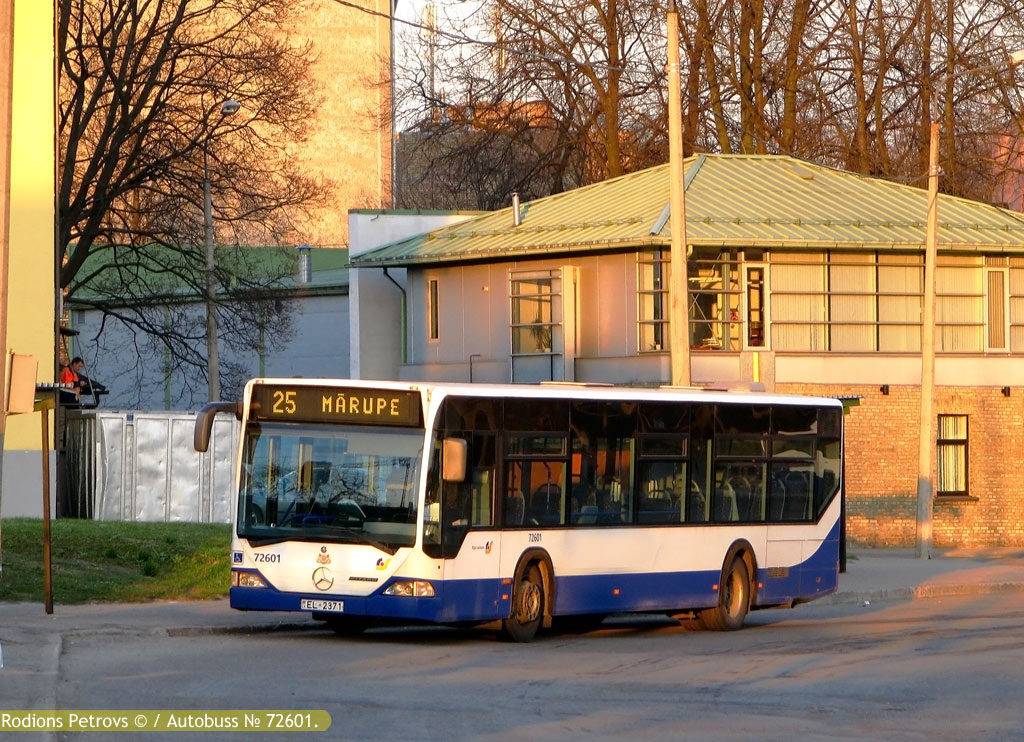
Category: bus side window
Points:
column 603, row 452
column 432, row 506
column 660, row 493
column 480, row 478
column 698, row 507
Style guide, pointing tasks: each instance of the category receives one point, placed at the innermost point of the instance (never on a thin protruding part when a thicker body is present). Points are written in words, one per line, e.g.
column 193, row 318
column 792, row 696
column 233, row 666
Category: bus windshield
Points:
column 321, row 482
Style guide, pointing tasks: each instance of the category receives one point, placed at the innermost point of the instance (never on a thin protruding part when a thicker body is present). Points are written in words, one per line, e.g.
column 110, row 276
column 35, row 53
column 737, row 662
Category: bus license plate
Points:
column 328, row 606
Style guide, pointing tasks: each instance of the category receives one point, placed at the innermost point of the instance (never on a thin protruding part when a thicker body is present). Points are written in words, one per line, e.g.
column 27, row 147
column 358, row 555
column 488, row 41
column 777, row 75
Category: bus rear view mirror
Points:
column 204, row 422
column 455, row 454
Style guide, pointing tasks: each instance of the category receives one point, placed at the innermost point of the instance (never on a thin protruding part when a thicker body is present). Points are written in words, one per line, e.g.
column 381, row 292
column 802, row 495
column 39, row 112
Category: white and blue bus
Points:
column 365, row 503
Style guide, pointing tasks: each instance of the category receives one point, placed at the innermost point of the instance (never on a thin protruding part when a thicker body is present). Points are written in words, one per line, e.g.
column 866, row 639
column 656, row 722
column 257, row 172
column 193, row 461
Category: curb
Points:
column 921, row 592
column 186, row 631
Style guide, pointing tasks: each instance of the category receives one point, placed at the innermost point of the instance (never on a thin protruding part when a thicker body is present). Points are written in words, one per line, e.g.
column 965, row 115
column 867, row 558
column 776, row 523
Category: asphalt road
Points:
column 933, row 669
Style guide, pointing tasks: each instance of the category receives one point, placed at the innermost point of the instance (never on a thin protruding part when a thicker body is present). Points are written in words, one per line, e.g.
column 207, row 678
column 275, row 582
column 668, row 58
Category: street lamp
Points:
column 227, row 108
column 679, row 319
column 925, row 490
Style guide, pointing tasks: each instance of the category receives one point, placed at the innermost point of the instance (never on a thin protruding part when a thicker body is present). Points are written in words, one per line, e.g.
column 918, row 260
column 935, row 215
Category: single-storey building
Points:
column 804, row 278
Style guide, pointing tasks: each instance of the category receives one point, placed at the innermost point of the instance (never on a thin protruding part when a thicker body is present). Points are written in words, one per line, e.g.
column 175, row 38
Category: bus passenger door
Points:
column 470, row 543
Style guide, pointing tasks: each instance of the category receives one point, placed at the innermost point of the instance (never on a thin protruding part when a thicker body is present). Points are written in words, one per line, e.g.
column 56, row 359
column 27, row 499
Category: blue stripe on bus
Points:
column 817, row 576
column 489, row 599
column 456, row 600
column 623, row 593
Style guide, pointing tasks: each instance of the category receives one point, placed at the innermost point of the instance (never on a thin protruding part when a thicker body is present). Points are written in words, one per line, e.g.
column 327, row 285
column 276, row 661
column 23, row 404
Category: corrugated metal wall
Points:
column 140, row 466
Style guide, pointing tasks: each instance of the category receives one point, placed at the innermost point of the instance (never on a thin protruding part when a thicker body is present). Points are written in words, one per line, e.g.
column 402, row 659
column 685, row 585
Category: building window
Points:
column 799, row 301
column 716, row 295
column 900, row 282
column 725, row 310
column 1016, row 303
column 951, row 470
column 959, row 304
column 653, row 297
column 846, row 301
column 997, row 303
column 432, row 322
column 536, row 311
column 757, row 315
column 835, row 301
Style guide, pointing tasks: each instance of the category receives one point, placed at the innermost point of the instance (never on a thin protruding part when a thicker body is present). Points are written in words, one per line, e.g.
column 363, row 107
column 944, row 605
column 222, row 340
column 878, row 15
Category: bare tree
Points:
column 555, row 98
column 853, row 85
column 141, row 85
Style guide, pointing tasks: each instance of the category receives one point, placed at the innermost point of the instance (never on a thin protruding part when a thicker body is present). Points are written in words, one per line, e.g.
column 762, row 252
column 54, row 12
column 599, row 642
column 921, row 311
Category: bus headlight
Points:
column 246, row 579
column 411, row 589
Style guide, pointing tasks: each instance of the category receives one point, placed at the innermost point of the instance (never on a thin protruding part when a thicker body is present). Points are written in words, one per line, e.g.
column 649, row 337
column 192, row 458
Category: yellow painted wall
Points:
column 30, row 309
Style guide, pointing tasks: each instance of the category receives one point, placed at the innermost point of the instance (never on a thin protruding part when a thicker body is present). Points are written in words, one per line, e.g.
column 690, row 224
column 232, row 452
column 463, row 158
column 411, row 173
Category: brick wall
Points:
column 882, row 464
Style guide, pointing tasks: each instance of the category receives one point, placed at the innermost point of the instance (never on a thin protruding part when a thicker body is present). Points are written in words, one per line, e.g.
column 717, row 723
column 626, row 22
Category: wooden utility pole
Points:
column 679, row 319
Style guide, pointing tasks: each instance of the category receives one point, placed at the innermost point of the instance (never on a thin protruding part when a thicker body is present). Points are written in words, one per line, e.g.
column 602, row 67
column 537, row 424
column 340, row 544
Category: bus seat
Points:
column 725, row 504
column 797, row 495
column 743, row 495
column 658, row 500
column 657, row 508
column 776, row 499
column 696, row 508
column 587, row 515
column 515, row 509
column 546, row 504
column 612, row 486
column 314, row 474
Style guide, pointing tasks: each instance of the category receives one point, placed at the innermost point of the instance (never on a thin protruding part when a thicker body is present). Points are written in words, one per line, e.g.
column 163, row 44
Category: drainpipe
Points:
column 405, row 304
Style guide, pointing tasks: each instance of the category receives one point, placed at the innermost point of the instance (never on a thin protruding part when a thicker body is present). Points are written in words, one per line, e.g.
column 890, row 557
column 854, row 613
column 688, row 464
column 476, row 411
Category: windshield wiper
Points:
column 349, row 537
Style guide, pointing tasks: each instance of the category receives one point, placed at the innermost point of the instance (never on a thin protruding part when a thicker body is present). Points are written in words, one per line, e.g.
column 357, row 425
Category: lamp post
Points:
column 679, row 320
column 227, row 108
column 925, row 490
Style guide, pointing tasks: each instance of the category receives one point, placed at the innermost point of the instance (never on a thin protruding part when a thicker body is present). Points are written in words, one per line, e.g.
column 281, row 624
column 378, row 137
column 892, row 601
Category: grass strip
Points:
column 106, row 561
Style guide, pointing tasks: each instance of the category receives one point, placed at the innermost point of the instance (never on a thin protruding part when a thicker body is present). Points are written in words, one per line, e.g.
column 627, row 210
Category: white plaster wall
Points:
column 375, row 315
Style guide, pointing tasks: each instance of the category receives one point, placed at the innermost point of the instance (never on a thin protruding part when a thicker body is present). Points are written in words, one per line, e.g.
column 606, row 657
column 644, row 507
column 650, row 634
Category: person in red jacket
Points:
column 70, row 375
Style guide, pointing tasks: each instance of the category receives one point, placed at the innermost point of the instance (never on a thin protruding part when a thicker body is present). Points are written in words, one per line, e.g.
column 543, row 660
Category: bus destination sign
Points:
column 336, row 405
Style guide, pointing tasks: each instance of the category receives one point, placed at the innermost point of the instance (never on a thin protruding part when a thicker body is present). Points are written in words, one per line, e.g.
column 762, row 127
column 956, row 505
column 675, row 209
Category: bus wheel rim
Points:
column 529, row 603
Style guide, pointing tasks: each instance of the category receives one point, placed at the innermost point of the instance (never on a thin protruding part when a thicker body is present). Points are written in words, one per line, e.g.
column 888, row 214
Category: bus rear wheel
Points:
column 733, row 600
column 527, row 607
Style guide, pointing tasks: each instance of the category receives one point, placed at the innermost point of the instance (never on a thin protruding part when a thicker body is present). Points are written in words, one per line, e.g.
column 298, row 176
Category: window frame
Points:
column 433, row 318
column 715, row 304
column 1015, row 291
column 659, row 262
column 961, row 304
column 997, row 307
column 888, row 310
column 552, row 300
column 962, row 460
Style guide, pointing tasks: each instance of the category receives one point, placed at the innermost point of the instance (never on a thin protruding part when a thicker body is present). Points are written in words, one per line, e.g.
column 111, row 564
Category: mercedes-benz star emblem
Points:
column 322, row 578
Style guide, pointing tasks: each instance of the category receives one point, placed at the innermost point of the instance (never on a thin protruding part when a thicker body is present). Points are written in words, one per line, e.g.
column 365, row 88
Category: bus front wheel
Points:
column 527, row 607
column 733, row 600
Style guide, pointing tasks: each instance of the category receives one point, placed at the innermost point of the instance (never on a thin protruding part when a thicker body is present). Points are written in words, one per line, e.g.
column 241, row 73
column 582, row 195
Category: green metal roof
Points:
column 771, row 201
column 158, row 271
